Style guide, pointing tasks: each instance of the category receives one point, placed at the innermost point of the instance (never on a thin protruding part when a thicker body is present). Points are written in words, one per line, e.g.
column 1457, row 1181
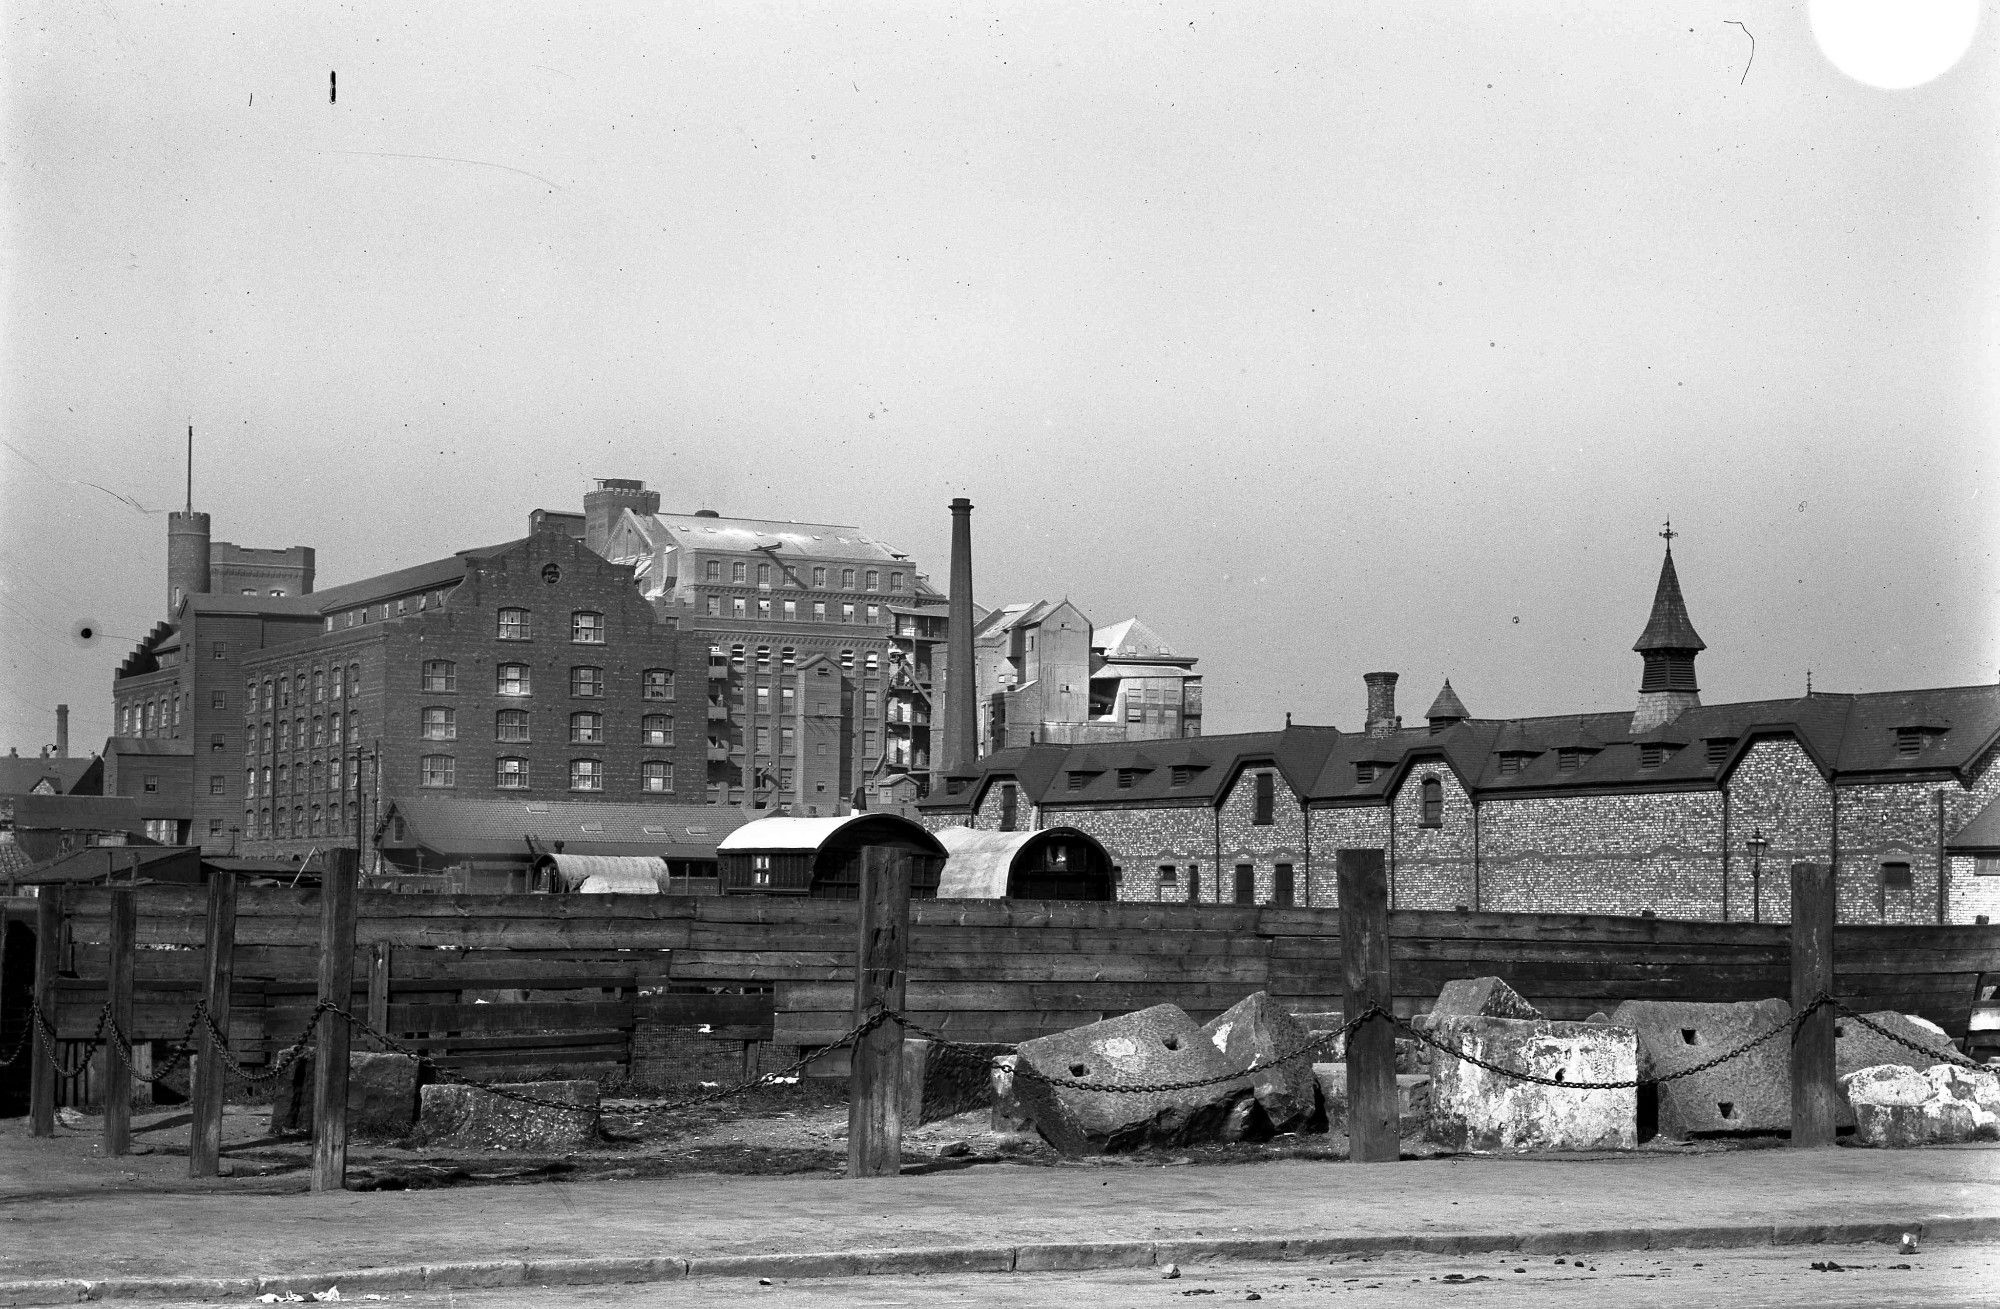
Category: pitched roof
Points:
column 19, row 776
column 1982, row 833
column 97, row 863
column 1669, row 627
column 82, row 813
column 1132, row 639
column 148, row 745
column 448, row 571
column 805, row 540
column 467, row 825
column 1447, row 704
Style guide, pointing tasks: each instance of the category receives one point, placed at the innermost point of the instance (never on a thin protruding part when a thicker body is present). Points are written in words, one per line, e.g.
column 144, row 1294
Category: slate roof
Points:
column 793, row 540
column 169, row 746
column 96, row 863
column 80, row 813
column 1981, row 833
column 1447, row 704
column 1845, row 734
column 479, row 826
column 403, row 581
column 1669, row 627
column 19, row 776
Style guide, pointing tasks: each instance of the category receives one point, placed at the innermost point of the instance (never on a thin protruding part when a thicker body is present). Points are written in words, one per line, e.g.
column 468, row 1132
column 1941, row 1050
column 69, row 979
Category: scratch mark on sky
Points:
column 1753, row 50
column 447, row 159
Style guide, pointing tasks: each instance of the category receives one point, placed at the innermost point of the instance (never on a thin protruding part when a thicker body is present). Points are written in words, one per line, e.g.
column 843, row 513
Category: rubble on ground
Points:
column 1897, row 1106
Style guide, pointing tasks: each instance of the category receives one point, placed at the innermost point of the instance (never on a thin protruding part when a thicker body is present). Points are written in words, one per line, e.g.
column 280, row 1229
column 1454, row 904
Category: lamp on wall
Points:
column 1757, row 845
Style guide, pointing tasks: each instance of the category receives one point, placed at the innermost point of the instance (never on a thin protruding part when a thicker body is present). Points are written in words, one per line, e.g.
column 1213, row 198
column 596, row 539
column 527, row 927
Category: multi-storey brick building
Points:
column 1046, row 675
column 820, row 642
column 1674, row 808
column 529, row 669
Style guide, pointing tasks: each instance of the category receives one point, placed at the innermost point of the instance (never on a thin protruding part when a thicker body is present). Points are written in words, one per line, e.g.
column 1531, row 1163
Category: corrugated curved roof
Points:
column 978, row 863
column 803, row 834
column 602, row 874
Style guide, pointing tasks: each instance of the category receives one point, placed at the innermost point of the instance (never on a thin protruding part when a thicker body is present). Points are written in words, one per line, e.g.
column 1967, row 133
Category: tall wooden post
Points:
column 1372, row 1126
column 205, row 1131
column 118, row 1032
column 874, row 1087
column 1815, row 1097
column 41, row 1063
column 336, row 986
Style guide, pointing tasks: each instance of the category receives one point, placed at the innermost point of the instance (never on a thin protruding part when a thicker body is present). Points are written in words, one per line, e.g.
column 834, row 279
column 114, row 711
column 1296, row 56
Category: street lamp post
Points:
column 1758, row 844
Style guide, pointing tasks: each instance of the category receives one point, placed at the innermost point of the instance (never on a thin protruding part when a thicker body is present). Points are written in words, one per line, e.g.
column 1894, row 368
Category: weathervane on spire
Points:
column 1669, row 534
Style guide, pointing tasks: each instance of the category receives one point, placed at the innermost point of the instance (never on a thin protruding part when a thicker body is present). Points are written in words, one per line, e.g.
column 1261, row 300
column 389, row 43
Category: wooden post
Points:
column 1372, row 1126
column 378, row 986
column 41, row 1063
column 118, row 988
column 1815, row 1098
column 205, row 1131
column 336, row 986
column 875, row 1084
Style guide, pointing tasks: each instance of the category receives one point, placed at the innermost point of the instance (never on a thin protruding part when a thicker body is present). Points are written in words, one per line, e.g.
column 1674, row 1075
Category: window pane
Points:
column 587, row 628
column 515, row 625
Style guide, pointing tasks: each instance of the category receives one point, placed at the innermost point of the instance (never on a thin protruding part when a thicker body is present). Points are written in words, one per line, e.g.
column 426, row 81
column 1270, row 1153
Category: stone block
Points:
column 1474, row 1109
column 1856, row 1047
column 1897, row 1106
column 465, row 1117
column 1751, row 1093
column 381, row 1096
column 1479, row 997
column 1252, row 1034
column 1412, row 1097
column 944, row 1083
column 1157, row 1045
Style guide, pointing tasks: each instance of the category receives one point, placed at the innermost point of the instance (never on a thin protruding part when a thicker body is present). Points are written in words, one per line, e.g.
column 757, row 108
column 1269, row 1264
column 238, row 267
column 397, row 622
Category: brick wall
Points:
column 1355, row 827
column 1241, row 841
column 1884, row 823
column 1432, row 865
column 1776, row 788
column 1606, row 854
column 1141, row 840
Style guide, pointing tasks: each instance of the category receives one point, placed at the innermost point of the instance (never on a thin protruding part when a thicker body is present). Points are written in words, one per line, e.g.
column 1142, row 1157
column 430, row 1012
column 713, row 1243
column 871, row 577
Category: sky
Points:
column 1324, row 337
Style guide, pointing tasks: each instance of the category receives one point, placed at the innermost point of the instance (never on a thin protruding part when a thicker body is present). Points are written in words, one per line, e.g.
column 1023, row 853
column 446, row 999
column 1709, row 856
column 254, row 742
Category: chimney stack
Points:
column 62, row 731
column 1381, row 703
column 612, row 497
column 961, row 739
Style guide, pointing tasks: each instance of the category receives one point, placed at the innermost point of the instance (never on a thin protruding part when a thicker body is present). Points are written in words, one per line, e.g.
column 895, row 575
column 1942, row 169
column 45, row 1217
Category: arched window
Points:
column 511, row 774
column 657, row 729
column 586, row 681
column 657, row 683
column 586, row 627
column 1433, row 802
column 440, row 676
column 440, row 770
column 656, row 776
column 586, row 774
column 511, row 725
column 586, row 729
column 515, row 625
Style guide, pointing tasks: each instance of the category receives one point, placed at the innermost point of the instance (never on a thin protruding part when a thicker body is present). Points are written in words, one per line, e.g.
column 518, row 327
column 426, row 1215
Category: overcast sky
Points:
column 1325, row 337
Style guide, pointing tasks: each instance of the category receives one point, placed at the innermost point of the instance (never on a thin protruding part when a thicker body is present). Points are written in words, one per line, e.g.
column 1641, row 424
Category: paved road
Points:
column 1941, row 1277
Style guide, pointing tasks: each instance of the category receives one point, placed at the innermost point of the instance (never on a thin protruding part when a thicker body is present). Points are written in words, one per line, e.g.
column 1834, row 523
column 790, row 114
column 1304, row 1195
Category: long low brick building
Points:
column 1675, row 808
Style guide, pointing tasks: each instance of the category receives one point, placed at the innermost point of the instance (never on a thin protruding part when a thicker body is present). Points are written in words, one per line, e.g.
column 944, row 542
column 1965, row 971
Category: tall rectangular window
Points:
column 1282, row 885
column 1265, row 802
column 763, row 574
column 873, row 581
column 847, row 579
column 895, row 581
column 739, row 572
column 763, row 740
column 1246, row 884
column 712, row 606
column 440, row 770
column 515, row 625
column 739, row 608
column 787, row 740
column 440, row 724
column 764, row 610
column 874, row 614
column 715, row 570
column 215, row 784
column 819, row 577
column 819, row 611
column 847, row 613
column 791, row 612
column 1010, row 798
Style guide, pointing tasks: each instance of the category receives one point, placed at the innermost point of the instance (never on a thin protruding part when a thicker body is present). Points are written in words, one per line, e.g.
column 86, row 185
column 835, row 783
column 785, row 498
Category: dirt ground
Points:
column 772, row 1130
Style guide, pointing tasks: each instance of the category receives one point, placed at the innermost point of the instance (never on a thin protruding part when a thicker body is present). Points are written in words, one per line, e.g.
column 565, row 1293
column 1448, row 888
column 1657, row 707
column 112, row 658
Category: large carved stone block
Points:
column 1897, row 1106
column 465, row 1117
column 1751, row 1093
column 1472, row 1108
column 1252, row 1034
column 1478, row 997
column 1152, row 1046
column 381, row 1096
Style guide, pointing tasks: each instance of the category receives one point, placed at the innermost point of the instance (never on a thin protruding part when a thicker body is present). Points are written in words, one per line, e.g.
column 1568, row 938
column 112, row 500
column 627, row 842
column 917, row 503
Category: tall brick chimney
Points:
column 62, row 731
column 961, row 710
column 188, row 558
column 612, row 497
column 1381, row 703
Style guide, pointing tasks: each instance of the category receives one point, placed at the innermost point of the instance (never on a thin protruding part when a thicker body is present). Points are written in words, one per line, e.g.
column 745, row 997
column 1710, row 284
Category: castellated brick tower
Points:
column 613, row 496
column 1668, row 647
column 1381, row 703
column 187, row 558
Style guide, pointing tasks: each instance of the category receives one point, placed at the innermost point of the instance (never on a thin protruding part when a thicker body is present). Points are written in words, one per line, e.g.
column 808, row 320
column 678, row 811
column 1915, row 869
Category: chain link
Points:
column 1947, row 1056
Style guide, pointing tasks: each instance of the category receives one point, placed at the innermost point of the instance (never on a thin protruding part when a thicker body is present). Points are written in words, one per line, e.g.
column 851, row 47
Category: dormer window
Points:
column 1079, row 780
column 952, row 785
column 1513, row 761
column 1185, row 773
column 1364, row 774
column 1915, row 738
column 1654, row 753
column 1128, row 776
column 1718, row 748
column 1572, row 757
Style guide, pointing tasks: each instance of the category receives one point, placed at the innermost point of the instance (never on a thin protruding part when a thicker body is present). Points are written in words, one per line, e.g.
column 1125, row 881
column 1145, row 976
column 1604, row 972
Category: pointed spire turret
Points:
column 1446, row 710
column 1668, row 647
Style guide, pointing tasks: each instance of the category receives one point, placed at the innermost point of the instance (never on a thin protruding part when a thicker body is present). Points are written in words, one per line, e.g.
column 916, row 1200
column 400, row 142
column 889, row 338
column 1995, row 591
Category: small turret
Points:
column 1447, row 710
column 1668, row 647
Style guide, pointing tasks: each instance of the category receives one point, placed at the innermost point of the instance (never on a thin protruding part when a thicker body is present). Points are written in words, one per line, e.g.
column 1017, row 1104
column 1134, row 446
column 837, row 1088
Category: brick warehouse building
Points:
column 530, row 669
column 1674, row 808
column 821, row 647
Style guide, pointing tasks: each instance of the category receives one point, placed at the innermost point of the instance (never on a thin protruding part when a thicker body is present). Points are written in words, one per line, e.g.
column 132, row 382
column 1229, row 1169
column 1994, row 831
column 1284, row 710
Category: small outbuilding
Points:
column 821, row 857
column 601, row 874
column 1056, row 863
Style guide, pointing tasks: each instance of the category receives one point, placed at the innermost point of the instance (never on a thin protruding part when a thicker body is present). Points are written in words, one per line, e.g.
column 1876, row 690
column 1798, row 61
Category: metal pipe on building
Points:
column 961, row 708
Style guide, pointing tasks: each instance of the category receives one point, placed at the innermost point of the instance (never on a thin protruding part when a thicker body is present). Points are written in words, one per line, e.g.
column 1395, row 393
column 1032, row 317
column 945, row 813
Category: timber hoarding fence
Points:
column 574, row 977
